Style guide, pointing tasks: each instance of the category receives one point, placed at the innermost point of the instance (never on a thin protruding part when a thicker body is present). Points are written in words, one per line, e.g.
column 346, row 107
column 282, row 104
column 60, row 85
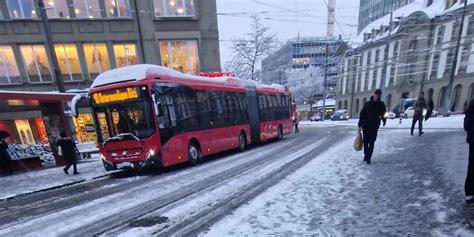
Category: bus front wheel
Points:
column 194, row 155
column 109, row 167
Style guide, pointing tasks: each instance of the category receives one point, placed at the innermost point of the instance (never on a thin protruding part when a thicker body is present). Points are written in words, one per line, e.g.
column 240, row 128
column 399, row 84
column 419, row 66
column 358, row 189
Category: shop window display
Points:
column 125, row 54
column 8, row 69
column 97, row 59
column 181, row 55
column 68, row 61
column 36, row 62
column 24, row 131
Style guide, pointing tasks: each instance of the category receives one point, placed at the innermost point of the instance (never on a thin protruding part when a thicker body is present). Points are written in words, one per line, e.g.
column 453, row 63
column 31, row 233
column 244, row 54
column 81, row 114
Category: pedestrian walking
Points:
column 370, row 117
column 5, row 156
column 69, row 152
column 297, row 122
column 469, row 127
column 418, row 109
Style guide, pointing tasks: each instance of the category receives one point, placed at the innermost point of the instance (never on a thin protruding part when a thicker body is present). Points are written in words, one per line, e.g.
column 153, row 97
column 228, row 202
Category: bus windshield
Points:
column 128, row 116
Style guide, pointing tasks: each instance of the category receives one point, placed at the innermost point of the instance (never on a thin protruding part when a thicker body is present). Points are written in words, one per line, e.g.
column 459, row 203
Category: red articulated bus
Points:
column 149, row 115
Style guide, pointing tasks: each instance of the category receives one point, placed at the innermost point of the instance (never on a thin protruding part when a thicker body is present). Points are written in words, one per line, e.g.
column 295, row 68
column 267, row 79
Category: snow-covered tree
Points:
column 248, row 51
column 305, row 83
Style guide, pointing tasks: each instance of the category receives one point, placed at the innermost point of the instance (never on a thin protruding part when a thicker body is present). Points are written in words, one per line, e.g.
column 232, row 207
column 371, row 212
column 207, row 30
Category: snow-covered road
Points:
column 308, row 184
column 113, row 206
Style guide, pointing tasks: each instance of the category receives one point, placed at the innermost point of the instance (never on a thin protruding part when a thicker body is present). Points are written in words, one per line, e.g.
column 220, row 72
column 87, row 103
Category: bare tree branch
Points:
column 249, row 51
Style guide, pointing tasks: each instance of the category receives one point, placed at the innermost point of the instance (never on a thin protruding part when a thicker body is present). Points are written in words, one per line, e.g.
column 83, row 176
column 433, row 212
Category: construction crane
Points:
column 331, row 17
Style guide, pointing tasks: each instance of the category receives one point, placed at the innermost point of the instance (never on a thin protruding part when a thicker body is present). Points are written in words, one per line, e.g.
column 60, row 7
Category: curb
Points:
column 51, row 188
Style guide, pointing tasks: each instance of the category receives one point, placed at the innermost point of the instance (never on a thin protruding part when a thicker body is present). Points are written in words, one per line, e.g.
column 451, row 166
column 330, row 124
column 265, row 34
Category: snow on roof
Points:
column 437, row 8
column 142, row 71
column 128, row 73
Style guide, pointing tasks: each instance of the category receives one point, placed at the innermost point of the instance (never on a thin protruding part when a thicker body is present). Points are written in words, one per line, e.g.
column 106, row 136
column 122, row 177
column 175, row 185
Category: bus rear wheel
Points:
column 242, row 142
column 194, row 155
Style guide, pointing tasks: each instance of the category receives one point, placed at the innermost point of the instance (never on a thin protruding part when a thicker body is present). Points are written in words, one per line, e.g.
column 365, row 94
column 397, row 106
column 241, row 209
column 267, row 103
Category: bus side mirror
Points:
column 157, row 105
column 159, row 109
column 75, row 103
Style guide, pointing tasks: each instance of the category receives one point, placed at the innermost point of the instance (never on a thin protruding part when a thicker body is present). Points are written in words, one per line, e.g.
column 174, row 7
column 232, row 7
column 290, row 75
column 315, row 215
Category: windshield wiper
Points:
column 120, row 137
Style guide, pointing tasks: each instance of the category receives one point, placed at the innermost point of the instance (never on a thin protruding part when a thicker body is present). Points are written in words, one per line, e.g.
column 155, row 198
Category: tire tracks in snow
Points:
column 29, row 225
column 199, row 222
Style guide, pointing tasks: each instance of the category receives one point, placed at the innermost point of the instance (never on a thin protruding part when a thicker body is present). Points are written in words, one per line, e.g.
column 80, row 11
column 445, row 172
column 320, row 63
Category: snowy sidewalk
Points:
column 406, row 191
column 49, row 178
column 452, row 122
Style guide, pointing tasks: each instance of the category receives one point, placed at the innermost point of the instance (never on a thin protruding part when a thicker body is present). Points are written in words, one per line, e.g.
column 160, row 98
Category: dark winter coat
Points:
column 469, row 123
column 372, row 113
column 419, row 106
column 68, row 148
column 4, row 155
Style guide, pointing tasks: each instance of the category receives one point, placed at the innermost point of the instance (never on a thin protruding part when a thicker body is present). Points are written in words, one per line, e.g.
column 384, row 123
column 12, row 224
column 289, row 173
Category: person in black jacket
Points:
column 69, row 152
column 469, row 127
column 369, row 122
column 5, row 157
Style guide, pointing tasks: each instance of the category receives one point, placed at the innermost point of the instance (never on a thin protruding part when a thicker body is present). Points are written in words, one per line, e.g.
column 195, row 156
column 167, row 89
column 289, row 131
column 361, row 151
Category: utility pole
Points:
column 324, row 83
column 49, row 43
column 449, row 88
column 331, row 18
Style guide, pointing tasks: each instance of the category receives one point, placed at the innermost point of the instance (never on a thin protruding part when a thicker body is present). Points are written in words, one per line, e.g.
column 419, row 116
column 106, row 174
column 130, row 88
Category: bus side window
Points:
column 171, row 109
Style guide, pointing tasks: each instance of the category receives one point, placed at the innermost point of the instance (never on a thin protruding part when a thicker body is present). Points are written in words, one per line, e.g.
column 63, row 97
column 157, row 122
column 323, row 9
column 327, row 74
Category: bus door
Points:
column 166, row 117
column 252, row 106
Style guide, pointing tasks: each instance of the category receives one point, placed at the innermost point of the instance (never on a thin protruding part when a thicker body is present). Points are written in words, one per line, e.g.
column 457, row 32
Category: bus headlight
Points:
column 102, row 156
column 150, row 153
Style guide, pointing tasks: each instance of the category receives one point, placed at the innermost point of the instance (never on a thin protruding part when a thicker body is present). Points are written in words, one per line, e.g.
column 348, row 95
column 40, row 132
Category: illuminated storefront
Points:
column 38, row 118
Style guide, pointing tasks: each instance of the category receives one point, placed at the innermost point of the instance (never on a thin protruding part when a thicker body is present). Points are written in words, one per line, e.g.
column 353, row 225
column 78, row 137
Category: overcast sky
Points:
column 286, row 18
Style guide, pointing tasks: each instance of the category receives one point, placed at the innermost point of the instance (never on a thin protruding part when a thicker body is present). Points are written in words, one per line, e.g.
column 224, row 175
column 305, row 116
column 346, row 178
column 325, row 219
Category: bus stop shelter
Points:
column 33, row 119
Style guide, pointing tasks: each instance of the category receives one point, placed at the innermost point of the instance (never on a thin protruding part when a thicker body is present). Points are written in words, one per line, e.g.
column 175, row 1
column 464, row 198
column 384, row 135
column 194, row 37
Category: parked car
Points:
column 410, row 112
column 390, row 115
column 340, row 115
column 316, row 117
column 399, row 110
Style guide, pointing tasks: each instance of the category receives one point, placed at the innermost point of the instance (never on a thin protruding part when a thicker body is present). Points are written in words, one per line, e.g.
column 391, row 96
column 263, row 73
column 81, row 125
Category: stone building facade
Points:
column 91, row 36
column 412, row 54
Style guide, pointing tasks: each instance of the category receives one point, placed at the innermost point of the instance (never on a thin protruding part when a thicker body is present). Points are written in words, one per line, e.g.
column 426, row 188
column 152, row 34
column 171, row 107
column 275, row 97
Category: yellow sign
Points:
column 117, row 95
